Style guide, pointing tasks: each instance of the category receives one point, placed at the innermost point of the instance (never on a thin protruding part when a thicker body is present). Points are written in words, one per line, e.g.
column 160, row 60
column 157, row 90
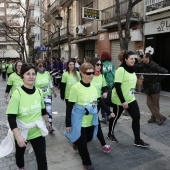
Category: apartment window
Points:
column 3, row 47
column 2, row 13
column 2, row 5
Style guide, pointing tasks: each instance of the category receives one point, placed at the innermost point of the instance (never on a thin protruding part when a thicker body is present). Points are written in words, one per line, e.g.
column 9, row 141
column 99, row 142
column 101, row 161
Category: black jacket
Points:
column 151, row 83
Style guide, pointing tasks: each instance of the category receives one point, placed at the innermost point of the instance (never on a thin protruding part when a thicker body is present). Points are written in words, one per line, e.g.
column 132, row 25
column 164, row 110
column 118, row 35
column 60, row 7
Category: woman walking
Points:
column 14, row 81
column 81, row 114
column 43, row 81
column 100, row 83
column 69, row 78
column 25, row 111
column 123, row 98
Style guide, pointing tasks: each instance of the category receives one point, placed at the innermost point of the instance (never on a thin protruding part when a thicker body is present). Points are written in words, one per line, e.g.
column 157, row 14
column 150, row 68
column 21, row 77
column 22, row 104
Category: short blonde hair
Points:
column 85, row 66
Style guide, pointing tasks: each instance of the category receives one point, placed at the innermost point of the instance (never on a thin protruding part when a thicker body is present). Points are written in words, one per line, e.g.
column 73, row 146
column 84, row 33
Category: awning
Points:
column 93, row 38
column 11, row 53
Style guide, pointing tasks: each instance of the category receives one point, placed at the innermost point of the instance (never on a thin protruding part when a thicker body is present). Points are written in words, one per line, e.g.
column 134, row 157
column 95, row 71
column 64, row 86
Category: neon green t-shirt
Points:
column 10, row 68
column 128, row 84
column 27, row 108
column 3, row 67
column 84, row 96
column 70, row 80
column 16, row 82
column 42, row 81
column 99, row 82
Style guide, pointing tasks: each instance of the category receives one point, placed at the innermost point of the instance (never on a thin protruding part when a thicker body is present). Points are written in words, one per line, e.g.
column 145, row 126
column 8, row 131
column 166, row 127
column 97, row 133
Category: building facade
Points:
column 157, row 33
column 108, row 37
column 34, row 28
column 10, row 24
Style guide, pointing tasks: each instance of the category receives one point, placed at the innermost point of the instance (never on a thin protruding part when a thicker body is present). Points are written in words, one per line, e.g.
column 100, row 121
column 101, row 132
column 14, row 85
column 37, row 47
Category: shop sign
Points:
column 102, row 37
column 115, row 35
column 43, row 48
column 156, row 27
column 91, row 13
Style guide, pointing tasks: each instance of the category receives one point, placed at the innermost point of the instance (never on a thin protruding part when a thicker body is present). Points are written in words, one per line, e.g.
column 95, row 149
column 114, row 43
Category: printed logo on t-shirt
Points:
column 32, row 109
column 43, row 81
column 72, row 81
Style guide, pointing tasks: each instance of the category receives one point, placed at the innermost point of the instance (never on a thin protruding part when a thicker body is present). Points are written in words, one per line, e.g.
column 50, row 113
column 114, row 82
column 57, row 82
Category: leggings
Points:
column 39, row 147
column 86, row 136
column 48, row 106
column 134, row 112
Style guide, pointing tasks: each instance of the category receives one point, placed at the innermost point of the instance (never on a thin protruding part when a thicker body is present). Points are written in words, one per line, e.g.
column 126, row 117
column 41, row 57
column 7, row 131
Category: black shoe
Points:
column 141, row 143
column 88, row 167
column 103, row 120
column 112, row 138
column 160, row 122
column 51, row 131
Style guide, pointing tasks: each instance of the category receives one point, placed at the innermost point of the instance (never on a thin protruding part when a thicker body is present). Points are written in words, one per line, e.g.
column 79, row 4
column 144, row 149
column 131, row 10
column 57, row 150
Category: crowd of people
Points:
column 84, row 86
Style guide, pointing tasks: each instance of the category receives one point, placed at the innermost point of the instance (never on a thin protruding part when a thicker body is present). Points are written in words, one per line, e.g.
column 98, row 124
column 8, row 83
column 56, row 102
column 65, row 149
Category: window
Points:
column 3, row 46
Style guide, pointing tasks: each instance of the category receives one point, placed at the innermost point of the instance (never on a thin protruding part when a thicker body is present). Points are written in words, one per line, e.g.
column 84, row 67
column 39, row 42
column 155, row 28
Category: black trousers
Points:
column 4, row 75
column 39, row 147
column 99, row 132
column 86, row 136
column 134, row 112
column 9, row 74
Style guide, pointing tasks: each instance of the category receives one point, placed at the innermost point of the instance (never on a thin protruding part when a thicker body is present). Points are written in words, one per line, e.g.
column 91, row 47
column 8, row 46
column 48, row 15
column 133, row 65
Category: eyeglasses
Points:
column 98, row 64
column 89, row 73
column 40, row 66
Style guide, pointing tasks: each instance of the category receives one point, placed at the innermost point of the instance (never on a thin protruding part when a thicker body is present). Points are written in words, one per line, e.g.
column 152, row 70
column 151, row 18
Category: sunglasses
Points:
column 89, row 73
column 98, row 64
column 40, row 66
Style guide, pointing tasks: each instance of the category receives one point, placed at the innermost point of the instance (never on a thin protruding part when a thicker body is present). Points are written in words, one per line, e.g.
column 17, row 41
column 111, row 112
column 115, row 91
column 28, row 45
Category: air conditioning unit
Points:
column 81, row 30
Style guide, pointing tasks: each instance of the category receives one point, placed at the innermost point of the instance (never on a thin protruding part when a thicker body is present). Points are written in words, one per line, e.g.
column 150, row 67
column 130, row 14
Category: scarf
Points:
column 97, row 73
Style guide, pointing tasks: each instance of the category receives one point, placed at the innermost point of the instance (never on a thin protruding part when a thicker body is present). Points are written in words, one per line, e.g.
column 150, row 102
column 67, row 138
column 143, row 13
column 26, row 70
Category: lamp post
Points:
column 4, row 53
column 33, row 40
column 59, row 23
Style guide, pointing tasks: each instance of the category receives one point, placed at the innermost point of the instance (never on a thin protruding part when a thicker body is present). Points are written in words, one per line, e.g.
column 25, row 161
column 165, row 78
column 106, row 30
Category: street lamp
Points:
column 33, row 40
column 59, row 23
column 4, row 53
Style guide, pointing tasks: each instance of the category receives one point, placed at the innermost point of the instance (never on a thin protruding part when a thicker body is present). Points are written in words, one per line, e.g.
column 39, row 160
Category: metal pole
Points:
column 59, row 50
column 33, row 59
column 153, row 74
column 3, row 54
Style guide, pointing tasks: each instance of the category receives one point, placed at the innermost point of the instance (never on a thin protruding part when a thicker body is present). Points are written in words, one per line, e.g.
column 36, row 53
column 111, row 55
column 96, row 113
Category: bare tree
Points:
column 124, row 41
column 14, row 30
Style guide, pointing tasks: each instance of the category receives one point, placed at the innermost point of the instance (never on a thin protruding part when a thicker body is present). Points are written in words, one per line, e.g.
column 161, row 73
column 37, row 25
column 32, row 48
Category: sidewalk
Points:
column 124, row 155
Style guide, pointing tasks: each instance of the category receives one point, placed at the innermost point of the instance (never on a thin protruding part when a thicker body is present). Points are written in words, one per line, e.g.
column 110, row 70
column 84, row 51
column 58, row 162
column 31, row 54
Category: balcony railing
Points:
column 63, row 2
column 31, row 21
column 55, row 6
column 14, row 24
column 152, row 5
column 63, row 34
column 109, row 14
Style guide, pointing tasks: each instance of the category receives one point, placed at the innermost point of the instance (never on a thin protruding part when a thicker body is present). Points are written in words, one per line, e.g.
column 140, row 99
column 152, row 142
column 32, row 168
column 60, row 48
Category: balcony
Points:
column 31, row 21
column 13, row 24
column 157, row 6
column 64, row 2
column 13, row 6
column 31, row 5
column 55, row 6
column 109, row 18
column 63, row 35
